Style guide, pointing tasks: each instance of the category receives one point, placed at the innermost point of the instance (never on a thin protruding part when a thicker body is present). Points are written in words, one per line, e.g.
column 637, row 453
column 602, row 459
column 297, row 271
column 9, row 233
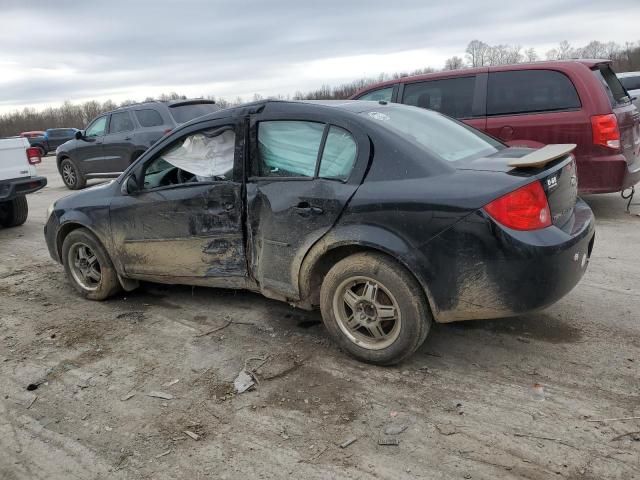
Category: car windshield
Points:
column 184, row 113
column 448, row 139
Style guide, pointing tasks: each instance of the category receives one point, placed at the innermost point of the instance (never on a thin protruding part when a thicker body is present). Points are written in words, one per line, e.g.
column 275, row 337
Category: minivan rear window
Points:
column 184, row 113
column 530, row 91
column 615, row 91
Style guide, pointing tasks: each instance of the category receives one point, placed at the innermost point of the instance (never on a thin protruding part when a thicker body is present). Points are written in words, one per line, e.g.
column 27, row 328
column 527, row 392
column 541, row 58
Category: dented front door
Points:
column 192, row 230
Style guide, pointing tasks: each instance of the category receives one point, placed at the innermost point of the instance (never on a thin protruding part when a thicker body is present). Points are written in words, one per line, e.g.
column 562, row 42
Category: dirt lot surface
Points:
column 76, row 378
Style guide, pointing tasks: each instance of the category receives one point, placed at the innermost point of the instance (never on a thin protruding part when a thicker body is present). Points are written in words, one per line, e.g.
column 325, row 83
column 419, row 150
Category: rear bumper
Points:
column 514, row 272
column 17, row 187
column 606, row 174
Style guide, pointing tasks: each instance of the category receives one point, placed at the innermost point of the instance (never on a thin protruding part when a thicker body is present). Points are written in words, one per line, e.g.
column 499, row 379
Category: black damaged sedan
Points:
column 386, row 217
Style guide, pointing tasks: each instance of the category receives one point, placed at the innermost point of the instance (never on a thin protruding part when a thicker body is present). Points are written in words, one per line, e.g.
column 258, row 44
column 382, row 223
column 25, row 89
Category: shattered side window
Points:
column 206, row 154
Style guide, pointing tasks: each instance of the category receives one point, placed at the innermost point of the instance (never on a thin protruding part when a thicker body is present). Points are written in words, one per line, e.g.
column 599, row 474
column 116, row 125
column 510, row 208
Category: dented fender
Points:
column 365, row 237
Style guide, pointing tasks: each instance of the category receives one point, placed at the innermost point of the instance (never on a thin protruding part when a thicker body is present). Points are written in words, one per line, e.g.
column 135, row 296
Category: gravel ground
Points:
column 515, row 398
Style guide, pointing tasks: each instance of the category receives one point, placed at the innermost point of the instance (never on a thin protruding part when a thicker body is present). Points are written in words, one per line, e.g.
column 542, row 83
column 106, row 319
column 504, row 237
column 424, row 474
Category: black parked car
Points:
column 52, row 139
column 115, row 139
column 385, row 216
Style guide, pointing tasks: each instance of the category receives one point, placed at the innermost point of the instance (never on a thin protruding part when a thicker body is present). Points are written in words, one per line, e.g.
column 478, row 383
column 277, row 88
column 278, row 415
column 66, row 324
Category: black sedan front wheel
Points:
column 374, row 308
column 88, row 266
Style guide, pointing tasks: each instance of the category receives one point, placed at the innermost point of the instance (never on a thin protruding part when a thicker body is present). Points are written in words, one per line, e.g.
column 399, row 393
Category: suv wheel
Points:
column 374, row 308
column 88, row 266
column 14, row 212
column 71, row 176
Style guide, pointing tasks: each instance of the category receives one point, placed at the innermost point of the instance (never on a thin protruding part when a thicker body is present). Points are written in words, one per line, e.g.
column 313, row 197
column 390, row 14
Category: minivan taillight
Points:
column 523, row 209
column 33, row 155
column 605, row 130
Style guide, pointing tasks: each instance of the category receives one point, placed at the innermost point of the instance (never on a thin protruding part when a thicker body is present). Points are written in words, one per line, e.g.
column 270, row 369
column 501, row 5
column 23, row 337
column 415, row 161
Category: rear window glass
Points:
column 383, row 94
column 452, row 96
column 630, row 83
column 184, row 113
column 120, row 122
column 526, row 91
column 445, row 138
column 289, row 148
column 149, row 118
column 610, row 82
column 338, row 155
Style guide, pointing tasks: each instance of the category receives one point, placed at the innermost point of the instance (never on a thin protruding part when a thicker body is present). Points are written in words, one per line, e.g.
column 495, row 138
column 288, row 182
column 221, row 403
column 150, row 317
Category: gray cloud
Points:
column 111, row 48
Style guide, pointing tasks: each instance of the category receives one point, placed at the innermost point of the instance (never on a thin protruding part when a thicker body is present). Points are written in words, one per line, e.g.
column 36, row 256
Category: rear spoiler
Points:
column 542, row 156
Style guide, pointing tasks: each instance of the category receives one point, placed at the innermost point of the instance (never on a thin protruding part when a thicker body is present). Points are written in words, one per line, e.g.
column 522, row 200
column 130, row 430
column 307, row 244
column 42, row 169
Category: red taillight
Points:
column 33, row 155
column 523, row 209
column 605, row 130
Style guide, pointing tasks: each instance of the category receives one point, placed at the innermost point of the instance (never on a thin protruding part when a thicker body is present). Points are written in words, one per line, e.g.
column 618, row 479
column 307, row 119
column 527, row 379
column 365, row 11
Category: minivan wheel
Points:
column 374, row 308
column 71, row 176
column 88, row 266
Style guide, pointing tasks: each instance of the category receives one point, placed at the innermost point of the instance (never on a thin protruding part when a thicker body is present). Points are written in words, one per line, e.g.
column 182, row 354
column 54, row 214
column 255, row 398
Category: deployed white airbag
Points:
column 206, row 154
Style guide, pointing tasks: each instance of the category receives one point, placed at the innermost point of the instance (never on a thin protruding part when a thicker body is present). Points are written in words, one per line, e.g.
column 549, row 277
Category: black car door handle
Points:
column 127, row 138
column 305, row 209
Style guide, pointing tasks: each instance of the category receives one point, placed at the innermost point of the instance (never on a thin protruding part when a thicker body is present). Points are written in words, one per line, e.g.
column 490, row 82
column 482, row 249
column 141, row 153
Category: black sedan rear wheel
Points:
column 374, row 308
column 88, row 266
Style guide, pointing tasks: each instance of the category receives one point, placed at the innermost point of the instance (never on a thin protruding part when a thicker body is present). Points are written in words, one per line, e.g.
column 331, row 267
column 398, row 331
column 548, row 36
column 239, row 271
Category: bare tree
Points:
column 565, row 50
column 552, row 54
column 454, row 63
column 477, row 53
column 530, row 55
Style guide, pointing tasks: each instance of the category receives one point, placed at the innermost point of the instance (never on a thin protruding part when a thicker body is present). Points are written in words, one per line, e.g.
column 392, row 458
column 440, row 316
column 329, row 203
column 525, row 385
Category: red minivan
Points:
column 534, row 104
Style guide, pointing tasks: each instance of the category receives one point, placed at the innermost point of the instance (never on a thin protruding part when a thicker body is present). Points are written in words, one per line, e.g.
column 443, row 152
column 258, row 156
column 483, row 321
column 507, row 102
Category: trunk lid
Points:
column 558, row 178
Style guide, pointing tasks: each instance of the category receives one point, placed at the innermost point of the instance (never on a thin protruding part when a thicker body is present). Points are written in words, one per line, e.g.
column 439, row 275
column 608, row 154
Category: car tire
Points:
column 14, row 212
column 43, row 152
column 88, row 266
column 393, row 317
column 71, row 175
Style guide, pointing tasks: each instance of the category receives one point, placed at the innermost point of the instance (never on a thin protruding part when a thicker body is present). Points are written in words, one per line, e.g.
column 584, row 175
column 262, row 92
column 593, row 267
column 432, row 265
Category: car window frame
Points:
column 532, row 112
column 478, row 84
column 394, row 93
column 133, row 127
column 106, row 126
column 142, row 165
column 255, row 154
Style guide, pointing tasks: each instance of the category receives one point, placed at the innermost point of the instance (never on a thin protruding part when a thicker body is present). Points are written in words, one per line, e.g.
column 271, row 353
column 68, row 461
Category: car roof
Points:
column 559, row 64
column 165, row 103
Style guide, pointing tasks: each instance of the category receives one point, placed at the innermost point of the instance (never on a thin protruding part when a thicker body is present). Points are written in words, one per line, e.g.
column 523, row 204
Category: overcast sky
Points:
column 57, row 50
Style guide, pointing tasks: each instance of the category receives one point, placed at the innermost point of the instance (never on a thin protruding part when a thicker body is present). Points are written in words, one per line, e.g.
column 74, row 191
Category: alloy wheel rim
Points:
column 367, row 313
column 69, row 174
column 85, row 267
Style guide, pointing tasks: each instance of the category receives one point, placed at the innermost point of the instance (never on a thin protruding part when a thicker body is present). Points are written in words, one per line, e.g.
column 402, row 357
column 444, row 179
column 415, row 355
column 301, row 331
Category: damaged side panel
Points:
column 192, row 230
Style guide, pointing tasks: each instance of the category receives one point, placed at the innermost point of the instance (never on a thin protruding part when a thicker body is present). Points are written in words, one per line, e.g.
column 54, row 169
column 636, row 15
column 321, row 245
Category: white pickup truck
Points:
column 18, row 177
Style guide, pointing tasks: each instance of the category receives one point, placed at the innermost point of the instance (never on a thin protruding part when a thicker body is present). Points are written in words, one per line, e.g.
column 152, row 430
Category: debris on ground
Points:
column 446, row 429
column 127, row 396
column 193, row 435
column 388, row 440
column 166, row 396
column 538, row 392
column 348, row 441
column 163, row 454
column 243, row 382
column 619, row 419
column 170, row 383
column 395, row 429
